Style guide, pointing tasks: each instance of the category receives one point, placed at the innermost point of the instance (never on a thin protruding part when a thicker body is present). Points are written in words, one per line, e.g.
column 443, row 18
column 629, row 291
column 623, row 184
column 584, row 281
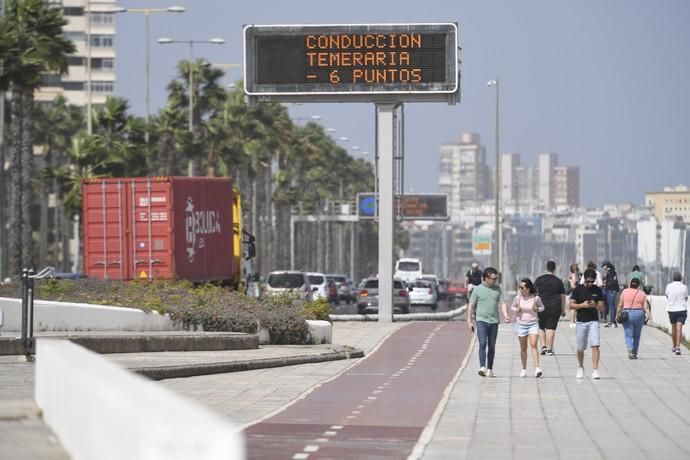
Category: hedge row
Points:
column 207, row 306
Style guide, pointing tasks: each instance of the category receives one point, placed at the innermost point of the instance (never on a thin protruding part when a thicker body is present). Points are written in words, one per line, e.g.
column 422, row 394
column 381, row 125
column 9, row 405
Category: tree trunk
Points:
column 27, row 158
column 15, row 191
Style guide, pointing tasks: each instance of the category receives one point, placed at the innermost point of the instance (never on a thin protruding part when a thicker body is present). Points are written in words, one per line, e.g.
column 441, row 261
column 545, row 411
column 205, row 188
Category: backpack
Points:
column 612, row 281
column 475, row 277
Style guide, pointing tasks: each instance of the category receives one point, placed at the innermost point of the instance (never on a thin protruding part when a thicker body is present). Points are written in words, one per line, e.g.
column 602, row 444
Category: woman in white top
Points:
column 526, row 305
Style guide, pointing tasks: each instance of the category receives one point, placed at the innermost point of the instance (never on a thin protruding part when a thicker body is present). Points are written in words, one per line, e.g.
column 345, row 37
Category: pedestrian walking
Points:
column 573, row 282
column 482, row 316
column 634, row 303
column 551, row 291
column 612, row 287
column 526, row 307
column 677, row 308
column 473, row 277
column 587, row 300
column 639, row 274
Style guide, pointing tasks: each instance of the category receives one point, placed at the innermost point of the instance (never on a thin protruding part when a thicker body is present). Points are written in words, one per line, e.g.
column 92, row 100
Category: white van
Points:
column 408, row 269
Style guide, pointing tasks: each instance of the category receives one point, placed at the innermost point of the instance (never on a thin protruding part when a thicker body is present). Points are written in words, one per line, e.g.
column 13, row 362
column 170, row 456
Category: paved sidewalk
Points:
column 640, row 409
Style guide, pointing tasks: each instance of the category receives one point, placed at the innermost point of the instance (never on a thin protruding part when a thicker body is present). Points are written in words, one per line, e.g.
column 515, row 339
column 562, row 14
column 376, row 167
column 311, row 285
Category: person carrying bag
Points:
column 633, row 311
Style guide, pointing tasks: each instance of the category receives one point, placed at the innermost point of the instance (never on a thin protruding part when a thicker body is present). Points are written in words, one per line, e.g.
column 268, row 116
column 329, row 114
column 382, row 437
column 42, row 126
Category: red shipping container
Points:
column 157, row 228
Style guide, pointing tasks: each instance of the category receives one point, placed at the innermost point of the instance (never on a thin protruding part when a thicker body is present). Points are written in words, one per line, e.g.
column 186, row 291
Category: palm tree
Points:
column 172, row 131
column 118, row 139
column 55, row 125
column 208, row 97
column 31, row 44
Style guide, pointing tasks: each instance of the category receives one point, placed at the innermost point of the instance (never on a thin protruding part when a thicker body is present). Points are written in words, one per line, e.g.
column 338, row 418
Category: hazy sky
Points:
column 602, row 83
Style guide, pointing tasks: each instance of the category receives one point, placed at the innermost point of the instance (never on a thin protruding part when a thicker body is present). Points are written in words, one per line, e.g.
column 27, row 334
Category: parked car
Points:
column 422, row 292
column 319, row 285
column 286, row 281
column 368, row 296
column 344, row 284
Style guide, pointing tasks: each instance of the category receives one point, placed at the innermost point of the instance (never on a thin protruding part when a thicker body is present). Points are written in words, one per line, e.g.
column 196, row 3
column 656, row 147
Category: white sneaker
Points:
column 537, row 372
column 580, row 373
column 490, row 373
column 595, row 374
column 523, row 372
column 482, row 371
column 572, row 325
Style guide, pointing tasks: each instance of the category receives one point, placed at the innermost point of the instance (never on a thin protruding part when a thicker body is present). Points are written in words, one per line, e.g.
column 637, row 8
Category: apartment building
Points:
column 101, row 30
column 566, row 186
column 672, row 203
column 463, row 174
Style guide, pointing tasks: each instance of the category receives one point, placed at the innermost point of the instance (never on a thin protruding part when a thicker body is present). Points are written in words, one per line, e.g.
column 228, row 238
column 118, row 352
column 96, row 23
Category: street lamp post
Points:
column 213, row 41
column 497, row 230
column 147, row 12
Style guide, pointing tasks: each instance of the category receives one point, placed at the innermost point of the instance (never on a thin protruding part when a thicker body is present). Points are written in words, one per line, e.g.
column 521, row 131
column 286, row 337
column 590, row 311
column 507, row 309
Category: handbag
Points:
column 622, row 316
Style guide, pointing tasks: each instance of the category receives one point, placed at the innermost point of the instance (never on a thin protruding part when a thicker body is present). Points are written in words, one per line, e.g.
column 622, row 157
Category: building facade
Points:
column 92, row 19
column 671, row 203
column 463, row 174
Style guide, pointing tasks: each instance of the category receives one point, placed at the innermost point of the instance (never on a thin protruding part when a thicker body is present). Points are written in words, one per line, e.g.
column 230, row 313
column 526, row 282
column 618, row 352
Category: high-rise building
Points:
column 566, row 186
column 74, row 85
column 545, row 185
column 509, row 183
column 463, row 174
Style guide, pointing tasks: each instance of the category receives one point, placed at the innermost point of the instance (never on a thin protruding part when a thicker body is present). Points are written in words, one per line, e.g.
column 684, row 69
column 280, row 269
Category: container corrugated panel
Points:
column 158, row 228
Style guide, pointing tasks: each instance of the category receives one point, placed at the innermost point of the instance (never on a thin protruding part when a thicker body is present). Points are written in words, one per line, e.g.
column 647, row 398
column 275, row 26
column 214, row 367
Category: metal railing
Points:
column 28, row 277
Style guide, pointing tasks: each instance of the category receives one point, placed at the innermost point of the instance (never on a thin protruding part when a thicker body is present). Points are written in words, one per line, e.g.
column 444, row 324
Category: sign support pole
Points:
column 385, row 130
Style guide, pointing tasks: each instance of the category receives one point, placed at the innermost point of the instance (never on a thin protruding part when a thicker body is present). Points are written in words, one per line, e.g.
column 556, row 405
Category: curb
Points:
column 144, row 342
column 441, row 316
column 191, row 370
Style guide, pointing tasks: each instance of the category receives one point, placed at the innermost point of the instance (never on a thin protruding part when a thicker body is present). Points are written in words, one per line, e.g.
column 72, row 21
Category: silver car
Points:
column 368, row 296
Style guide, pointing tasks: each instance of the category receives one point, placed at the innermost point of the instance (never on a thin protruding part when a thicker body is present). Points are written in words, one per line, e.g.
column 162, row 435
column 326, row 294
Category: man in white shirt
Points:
column 677, row 308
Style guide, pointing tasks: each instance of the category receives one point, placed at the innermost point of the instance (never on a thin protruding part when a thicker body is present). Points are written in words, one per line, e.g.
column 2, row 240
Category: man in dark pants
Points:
column 552, row 293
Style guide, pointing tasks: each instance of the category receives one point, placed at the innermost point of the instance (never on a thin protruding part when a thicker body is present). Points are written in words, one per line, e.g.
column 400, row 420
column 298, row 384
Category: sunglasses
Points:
column 492, row 278
column 523, row 287
column 589, row 281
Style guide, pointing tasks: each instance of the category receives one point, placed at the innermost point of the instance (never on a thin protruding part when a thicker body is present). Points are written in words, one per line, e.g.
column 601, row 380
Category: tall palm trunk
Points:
column 15, row 189
column 27, row 159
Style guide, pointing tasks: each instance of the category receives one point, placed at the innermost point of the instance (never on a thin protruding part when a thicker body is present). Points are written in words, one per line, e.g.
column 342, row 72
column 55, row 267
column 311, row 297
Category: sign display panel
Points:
column 481, row 243
column 342, row 61
column 431, row 206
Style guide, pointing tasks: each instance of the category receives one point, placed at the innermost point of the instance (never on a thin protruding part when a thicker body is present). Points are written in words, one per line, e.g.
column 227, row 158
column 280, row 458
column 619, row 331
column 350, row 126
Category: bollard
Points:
column 25, row 309
column 30, row 294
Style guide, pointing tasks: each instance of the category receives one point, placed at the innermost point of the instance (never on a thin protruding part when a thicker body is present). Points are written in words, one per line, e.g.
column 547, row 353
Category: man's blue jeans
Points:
column 611, row 304
column 633, row 329
column 486, row 334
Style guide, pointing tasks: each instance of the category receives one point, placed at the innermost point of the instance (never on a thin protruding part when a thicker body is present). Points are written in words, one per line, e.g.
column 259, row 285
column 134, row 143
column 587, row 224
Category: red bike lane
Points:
column 376, row 409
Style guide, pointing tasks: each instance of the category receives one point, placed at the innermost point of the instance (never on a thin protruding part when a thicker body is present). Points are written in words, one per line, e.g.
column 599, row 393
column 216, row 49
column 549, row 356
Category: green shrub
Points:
column 208, row 306
column 319, row 309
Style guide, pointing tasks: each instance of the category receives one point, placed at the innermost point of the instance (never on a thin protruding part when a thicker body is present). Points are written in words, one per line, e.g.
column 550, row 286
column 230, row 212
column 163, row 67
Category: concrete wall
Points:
column 64, row 316
column 660, row 315
column 99, row 410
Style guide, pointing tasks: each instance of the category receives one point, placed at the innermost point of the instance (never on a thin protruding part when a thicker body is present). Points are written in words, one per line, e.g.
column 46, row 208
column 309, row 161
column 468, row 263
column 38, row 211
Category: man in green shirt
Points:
column 483, row 304
column 637, row 273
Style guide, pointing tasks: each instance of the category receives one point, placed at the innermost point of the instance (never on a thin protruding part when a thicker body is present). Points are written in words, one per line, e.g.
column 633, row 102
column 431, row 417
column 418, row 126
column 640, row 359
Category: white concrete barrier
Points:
column 99, row 410
column 65, row 316
column 660, row 315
